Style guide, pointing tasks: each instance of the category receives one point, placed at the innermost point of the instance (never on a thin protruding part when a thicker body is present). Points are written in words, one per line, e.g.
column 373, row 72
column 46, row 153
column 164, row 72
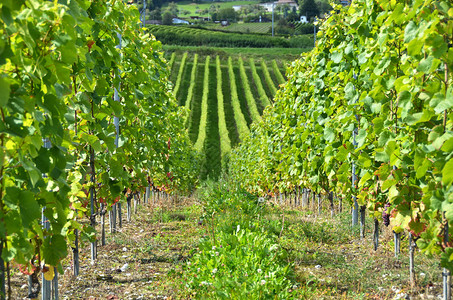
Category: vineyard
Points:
column 222, row 98
column 189, row 36
column 130, row 173
column 366, row 118
column 263, row 28
column 88, row 121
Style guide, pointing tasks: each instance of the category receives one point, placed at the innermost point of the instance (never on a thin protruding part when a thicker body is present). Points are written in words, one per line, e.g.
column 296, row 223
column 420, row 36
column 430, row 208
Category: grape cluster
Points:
column 386, row 215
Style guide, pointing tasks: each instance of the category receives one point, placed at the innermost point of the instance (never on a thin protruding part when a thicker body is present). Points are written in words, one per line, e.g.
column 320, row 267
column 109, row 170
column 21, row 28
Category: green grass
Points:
column 268, row 54
column 195, row 109
column 192, row 7
column 278, row 74
column 172, row 60
column 225, row 143
column 212, row 149
column 241, row 96
column 243, row 27
column 204, row 107
column 240, row 117
column 228, row 89
column 253, row 88
column 270, row 83
column 251, row 103
column 259, row 83
column 193, row 76
column 180, row 73
column 185, row 84
column 228, row 107
column 174, row 71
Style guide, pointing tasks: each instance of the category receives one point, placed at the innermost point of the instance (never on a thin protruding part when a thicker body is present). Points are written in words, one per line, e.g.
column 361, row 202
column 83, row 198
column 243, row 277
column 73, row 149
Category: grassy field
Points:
column 279, row 54
column 243, row 27
column 192, row 8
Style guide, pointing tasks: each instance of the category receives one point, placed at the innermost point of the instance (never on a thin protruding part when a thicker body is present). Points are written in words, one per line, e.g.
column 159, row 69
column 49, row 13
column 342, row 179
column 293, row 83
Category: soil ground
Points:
column 143, row 260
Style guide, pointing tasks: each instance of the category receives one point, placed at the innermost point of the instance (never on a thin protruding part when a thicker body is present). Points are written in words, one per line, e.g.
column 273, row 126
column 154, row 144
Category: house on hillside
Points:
column 303, row 19
column 268, row 5
column 290, row 3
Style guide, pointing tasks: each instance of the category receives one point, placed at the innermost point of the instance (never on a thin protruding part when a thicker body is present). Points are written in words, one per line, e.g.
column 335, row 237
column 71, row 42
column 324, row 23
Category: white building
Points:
column 303, row 19
column 180, row 21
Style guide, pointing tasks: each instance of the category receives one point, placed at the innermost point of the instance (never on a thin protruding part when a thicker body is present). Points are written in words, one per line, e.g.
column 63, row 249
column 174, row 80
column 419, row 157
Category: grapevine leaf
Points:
column 54, row 249
column 336, row 56
column 4, row 91
column 440, row 103
column 29, row 208
column 447, row 173
column 425, row 64
column 447, row 258
column 448, row 145
column 361, row 137
column 329, row 134
column 410, row 31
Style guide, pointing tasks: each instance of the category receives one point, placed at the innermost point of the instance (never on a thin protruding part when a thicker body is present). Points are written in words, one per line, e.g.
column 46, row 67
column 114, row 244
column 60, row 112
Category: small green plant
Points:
column 240, row 256
column 244, row 263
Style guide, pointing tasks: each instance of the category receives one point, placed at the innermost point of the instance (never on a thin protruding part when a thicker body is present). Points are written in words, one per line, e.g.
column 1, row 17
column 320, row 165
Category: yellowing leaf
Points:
column 10, row 145
column 50, row 274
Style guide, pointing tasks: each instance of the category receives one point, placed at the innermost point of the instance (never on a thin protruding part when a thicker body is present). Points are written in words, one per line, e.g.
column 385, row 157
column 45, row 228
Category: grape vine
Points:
column 381, row 69
column 59, row 64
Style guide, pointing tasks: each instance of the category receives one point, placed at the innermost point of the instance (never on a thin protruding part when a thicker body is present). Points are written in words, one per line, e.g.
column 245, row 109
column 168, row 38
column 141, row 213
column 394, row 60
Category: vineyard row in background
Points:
column 222, row 98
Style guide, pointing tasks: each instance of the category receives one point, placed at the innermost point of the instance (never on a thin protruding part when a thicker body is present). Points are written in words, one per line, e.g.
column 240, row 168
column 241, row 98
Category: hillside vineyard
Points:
column 222, row 97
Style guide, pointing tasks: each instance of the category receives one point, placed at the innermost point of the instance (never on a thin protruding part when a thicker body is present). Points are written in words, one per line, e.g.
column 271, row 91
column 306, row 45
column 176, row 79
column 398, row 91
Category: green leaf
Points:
column 410, row 32
column 404, row 99
column 63, row 73
column 336, row 56
column 416, row 226
column 329, row 134
column 447, row 172
column 448, row 145
column 54, row 249
column 364, row 179
column 425, row 65
column 29, row 208
column 393, row 192
column 42, row 161
column 414, row 47
column 384, row 138
column 350, row 92
column 440, row 103
column 361, row 137
column 4, row 91
column 382, row 156
column 388, row 183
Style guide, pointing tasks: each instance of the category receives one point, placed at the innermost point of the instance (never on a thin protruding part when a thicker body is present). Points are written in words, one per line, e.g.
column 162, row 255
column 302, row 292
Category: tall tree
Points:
column 309, row 8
